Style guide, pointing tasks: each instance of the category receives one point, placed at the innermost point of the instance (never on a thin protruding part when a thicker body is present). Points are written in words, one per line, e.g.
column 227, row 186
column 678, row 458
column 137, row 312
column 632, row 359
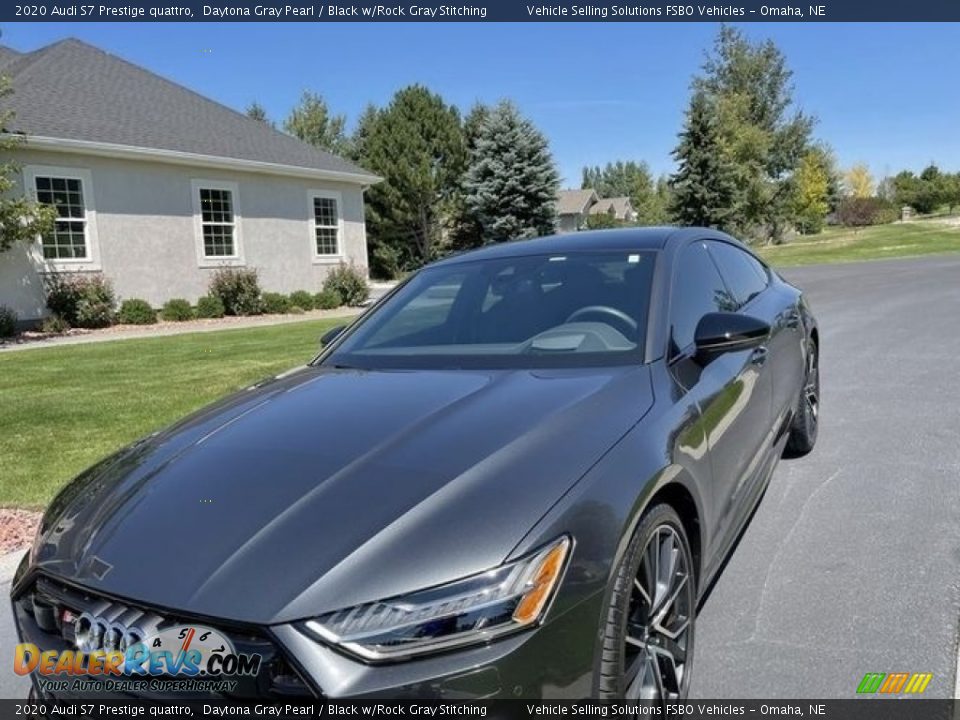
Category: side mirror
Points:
column 722, row 332
column 330, row 335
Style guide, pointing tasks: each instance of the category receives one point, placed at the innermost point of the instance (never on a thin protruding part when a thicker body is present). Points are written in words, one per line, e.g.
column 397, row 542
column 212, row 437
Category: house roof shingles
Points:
column 574, row 202
column 71, row 90
column 7, row 55
column 619, row 206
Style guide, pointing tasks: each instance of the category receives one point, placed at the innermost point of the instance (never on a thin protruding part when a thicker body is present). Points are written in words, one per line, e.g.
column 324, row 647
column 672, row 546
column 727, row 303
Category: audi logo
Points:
column 94, row 633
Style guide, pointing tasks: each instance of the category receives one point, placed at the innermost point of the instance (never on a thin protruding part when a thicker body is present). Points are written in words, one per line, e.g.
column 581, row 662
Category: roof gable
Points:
column 575, row 202
column 71, row 90
column 620, row 207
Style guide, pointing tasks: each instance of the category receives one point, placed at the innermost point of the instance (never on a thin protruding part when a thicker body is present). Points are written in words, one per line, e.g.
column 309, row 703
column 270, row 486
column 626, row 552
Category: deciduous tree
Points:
column 750, row 89
column 859, row 182
column 811, row 187
column 416, row 144
column 21, row 219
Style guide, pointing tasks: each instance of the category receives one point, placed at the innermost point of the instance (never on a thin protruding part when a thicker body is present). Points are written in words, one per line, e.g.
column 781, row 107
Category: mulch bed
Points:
column 17, row 528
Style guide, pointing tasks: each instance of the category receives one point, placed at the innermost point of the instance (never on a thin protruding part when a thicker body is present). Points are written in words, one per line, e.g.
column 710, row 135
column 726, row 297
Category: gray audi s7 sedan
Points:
column 514, row 476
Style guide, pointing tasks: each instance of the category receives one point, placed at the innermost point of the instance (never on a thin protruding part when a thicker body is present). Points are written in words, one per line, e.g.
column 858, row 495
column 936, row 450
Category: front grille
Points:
column 46, row 612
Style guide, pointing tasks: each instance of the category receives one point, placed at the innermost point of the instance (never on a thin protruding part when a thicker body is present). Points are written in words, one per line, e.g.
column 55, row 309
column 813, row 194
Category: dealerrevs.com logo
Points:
column 110, row 653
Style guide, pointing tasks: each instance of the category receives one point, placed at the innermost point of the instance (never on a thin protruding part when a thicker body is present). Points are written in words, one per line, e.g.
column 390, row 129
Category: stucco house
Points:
column 619, row 208
column 156, row 186
column 575, row 206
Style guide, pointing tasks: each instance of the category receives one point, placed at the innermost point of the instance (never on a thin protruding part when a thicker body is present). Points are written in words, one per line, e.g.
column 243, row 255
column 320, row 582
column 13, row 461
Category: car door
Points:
column 752, row 283
column 733, row 390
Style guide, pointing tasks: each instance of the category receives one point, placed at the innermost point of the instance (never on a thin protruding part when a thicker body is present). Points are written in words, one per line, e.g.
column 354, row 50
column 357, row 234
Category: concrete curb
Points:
column 256, row 321
column 8, row 565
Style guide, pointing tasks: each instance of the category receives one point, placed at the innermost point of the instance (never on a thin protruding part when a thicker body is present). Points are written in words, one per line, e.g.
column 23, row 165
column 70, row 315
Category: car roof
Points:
column 644, row 238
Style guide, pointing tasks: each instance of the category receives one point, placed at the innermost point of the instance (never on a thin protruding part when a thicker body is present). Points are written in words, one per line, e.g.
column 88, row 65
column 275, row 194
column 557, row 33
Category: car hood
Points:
column 331, row 487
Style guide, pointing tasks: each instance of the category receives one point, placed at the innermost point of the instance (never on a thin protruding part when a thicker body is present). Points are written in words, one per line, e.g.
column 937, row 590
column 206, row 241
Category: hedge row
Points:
column 88, row 301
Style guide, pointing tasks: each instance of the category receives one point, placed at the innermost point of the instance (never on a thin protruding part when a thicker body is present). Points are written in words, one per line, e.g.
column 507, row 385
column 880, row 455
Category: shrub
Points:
column 96, row 307
column 327, row 300
column 349, row 282
column 177, row 310
column 54, row 325
column 861, row 212
column 8, row 322
column 82, row 300
column 275, row 303
column 238, row 290
column 137, row 312
column 295, row 310
column 385, row 262
column 210, row 306
column 63, row 294
column 302, row 299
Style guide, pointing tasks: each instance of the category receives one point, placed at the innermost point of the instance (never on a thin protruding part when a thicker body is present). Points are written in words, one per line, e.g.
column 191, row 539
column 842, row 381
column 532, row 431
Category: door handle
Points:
column 758, row 356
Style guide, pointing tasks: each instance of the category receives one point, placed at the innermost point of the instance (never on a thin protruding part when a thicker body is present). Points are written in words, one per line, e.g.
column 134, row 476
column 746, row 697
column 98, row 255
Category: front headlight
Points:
column 475, row 609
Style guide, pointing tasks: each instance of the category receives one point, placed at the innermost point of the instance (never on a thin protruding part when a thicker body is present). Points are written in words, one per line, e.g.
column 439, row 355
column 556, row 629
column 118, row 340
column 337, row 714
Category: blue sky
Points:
column 885, row 94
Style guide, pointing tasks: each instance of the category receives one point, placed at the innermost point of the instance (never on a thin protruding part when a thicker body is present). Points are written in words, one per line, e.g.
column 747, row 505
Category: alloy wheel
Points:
column 659, row 621
column 811, row 391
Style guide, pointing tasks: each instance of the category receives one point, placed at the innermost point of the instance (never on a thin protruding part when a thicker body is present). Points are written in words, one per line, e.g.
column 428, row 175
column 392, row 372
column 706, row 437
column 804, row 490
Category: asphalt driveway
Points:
column 852, row 561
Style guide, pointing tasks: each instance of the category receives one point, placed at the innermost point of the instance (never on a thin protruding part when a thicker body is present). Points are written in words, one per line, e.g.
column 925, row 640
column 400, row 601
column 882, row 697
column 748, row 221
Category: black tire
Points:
column 634, row 662
column 806, row 417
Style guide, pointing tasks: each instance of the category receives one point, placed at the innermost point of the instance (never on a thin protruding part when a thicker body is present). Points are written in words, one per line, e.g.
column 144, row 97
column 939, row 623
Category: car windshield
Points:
column 573, row 309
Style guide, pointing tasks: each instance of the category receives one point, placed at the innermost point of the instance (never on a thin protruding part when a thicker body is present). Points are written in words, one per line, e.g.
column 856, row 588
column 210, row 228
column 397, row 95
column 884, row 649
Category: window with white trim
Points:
column 217, row 222
column 326, row 225
column 68, row 239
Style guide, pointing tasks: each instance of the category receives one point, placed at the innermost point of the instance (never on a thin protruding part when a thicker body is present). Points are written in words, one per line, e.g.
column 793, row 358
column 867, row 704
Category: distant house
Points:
column 575, row 206
column 157, row 187
column 619, row 208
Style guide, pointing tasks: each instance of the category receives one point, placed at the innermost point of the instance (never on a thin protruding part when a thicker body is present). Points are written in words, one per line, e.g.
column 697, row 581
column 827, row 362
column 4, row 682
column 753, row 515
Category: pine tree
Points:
column 511, row 185
column 362, row 132
column 256, row 111
column 416, row 145
column 704, row 186
column 465, row 230
column 312, row 122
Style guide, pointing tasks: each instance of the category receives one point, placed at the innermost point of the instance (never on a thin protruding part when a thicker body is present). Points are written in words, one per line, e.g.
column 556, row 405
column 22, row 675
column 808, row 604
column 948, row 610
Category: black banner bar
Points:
column 480, row 11
column 854, row 709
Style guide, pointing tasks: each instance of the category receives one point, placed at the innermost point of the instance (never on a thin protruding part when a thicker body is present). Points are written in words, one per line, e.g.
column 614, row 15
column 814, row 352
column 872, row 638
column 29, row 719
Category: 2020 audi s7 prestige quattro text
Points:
column 515, row 476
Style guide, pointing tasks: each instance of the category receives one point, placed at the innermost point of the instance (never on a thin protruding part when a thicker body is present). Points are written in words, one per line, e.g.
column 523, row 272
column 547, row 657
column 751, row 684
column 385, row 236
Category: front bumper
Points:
column 554, row 661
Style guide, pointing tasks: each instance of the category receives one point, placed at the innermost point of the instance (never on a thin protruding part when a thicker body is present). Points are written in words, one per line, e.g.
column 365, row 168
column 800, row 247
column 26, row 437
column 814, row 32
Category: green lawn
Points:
column 62, row 408
column 880, row 241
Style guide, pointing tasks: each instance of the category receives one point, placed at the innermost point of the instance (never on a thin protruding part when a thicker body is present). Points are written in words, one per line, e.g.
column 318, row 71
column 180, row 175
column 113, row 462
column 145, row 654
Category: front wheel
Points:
column 649, row 628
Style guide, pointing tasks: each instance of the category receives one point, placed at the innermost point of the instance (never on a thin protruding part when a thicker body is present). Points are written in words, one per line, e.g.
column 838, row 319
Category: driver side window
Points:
column 698, row 289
